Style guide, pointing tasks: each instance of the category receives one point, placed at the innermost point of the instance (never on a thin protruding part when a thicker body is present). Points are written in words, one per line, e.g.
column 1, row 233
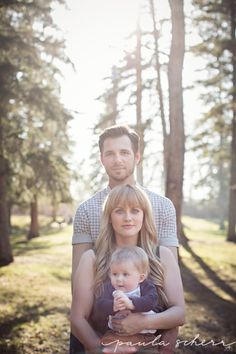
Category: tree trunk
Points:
column 159, row 87
column 114, row 106
column 5, row 247
column 54, row 208
column 221, row 196
column 34, row 228
column 231, row 234
column 175, row 165
column 139, row 103
column 221, row 201
column 9, row 207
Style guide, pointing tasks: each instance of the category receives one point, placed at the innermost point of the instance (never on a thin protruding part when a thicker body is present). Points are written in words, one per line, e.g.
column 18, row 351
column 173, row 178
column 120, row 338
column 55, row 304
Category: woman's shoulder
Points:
column 90, row 253
column 162, row 249
column 88, row 256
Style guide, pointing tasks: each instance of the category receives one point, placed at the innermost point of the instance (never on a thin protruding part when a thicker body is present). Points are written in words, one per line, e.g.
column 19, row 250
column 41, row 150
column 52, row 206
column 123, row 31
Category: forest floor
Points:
column 35, row 291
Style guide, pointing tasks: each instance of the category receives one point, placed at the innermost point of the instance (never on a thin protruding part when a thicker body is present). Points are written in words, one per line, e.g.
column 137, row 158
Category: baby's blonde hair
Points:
column 134, row 254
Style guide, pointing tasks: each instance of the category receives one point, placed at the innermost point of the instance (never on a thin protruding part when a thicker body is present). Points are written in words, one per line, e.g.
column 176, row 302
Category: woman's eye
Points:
column 118, row 211
column 135, row 211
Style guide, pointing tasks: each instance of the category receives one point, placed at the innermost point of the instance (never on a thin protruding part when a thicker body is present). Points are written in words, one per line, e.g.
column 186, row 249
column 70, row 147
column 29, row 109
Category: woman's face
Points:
column 127, row 221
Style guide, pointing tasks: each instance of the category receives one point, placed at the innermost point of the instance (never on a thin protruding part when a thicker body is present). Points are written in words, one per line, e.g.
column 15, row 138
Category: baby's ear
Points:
column 142, row 277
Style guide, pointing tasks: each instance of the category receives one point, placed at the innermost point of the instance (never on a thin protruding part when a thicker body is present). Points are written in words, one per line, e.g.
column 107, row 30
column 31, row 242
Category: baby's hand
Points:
column 121, row 301
column 117, row 293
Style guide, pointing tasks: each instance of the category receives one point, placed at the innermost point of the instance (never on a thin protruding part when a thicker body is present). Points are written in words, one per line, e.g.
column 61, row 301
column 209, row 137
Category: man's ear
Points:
column 137, row 157
column 101, row 159
column 142, row 277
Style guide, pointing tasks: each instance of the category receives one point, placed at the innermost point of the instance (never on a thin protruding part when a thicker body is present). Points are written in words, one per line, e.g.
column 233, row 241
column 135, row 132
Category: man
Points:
column 119, row 153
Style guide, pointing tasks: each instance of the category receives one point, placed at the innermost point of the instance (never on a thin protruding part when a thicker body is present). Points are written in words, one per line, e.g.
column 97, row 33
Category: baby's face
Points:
column 125, row 276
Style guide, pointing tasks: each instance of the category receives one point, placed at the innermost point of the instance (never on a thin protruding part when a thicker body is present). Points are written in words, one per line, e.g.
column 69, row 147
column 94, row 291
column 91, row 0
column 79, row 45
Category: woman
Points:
column 126, row 221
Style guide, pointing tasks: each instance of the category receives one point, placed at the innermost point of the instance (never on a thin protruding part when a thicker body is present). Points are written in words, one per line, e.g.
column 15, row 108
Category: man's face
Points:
column 119, row 160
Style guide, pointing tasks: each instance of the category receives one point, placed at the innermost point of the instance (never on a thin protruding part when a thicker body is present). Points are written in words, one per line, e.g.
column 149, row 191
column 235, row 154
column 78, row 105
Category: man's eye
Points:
column 125, row 152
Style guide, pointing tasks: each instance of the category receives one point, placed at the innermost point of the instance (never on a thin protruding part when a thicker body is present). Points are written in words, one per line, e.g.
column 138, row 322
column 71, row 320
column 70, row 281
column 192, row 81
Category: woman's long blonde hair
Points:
column 132, row 196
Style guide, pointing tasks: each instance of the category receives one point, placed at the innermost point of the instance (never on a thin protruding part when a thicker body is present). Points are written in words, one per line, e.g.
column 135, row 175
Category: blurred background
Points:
column 69, row 69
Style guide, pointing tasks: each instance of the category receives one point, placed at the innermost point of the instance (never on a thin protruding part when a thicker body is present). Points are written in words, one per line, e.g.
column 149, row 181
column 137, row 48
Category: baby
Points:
column 128, row 288
column 129, row 268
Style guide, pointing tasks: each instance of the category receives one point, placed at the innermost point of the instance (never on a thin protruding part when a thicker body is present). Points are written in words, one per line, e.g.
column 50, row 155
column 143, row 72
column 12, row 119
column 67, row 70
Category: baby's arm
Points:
column 104, row 303
column 148, row 299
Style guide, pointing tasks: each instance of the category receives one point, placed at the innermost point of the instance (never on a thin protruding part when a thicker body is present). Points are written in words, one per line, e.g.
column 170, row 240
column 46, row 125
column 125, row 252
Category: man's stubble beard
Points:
column 121, row 179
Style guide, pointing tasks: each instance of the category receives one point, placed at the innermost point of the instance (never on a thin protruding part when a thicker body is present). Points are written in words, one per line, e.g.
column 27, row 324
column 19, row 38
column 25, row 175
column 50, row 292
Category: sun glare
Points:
column 95, row 33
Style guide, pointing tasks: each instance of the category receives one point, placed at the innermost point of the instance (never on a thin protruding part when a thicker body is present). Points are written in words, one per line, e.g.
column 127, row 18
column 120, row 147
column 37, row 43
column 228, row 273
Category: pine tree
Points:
column 216, row 23
column 30, row 49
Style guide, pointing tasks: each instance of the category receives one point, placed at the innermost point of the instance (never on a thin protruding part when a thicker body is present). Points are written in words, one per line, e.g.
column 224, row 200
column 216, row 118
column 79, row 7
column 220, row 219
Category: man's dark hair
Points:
column 116, row 131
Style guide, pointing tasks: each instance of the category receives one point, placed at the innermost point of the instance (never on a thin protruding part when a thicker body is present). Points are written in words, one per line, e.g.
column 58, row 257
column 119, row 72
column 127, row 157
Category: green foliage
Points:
column 212, row 137
column 34, row 122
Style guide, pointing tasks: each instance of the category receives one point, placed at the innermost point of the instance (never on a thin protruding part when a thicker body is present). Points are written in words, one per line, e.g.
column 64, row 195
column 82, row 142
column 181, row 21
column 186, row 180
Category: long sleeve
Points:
column 148, row 297
column 104, row 304
column 103, row 307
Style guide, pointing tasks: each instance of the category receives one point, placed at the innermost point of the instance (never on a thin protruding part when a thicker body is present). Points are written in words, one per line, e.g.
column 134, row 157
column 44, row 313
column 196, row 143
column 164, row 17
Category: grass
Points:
column 208, row 266
column 35, row 290
column 35, row 294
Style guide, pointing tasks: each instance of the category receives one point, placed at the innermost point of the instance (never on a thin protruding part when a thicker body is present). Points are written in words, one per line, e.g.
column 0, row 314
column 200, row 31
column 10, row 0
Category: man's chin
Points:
column 120, row 178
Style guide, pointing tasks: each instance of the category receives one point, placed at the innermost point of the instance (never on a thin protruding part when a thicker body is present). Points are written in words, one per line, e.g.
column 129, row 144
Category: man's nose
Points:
column 117, row 157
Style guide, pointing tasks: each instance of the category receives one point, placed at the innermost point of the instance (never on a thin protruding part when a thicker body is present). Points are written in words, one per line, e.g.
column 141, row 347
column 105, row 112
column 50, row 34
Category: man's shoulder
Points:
column 97, row 198
column 157, row 198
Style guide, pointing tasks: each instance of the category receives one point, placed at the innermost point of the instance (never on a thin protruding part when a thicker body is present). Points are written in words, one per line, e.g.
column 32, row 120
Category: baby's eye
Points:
column 125, row 274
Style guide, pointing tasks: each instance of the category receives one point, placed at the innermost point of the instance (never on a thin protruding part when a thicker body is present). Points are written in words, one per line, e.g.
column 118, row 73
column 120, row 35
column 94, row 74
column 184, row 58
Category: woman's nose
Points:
column 127, row 216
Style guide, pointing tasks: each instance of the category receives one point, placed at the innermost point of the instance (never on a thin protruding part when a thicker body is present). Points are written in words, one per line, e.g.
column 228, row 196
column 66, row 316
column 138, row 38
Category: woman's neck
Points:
column 126, row 242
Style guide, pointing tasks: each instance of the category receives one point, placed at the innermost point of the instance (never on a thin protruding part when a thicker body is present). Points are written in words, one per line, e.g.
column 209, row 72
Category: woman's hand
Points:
column 119, row 348
column 132, row 324
column 124, row 349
